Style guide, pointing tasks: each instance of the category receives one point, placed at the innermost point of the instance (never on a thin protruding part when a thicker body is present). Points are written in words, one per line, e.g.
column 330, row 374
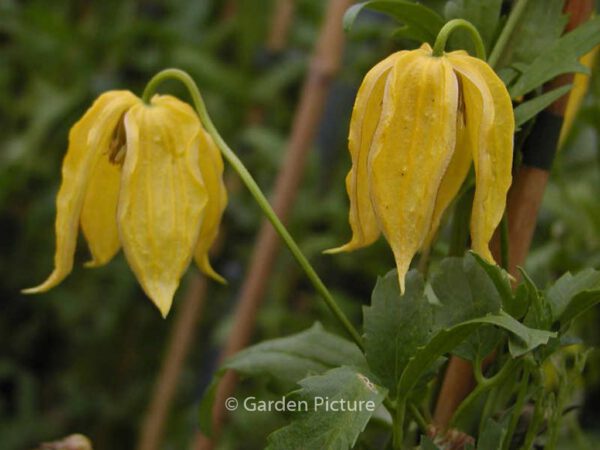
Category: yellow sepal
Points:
column 89, row 139
column 211, row 168
column 490, row 126
column 363, row 124
column 412, row 148
column 162, row 195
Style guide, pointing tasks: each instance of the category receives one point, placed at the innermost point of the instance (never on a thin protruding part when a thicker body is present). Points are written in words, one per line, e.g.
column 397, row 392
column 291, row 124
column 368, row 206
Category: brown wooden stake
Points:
column 523, row 203
column 186, row 321
column 324, row 65
column 280, row 25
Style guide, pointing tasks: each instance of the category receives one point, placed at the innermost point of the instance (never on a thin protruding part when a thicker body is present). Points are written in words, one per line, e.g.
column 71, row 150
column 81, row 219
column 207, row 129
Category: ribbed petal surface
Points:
column 162, row 196
column 453, row 179
column 412, row 148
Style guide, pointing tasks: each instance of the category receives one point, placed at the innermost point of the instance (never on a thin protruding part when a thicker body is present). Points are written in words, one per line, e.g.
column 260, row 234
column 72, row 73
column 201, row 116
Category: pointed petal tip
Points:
column 163, row 303
column 402, row 281
column 93, row 264
column 160, row 292
column 215, row 276
column 54, row 279
column 206, row 268
column 350, row 246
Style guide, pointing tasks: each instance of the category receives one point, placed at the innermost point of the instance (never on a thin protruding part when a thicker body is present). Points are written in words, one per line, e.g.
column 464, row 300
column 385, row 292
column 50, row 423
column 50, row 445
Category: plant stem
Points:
column 256, row 192
column 449, row 28
column 421, row 422
column 516, row 412
column 398, row 431
column 485, row 385
column 502, row 41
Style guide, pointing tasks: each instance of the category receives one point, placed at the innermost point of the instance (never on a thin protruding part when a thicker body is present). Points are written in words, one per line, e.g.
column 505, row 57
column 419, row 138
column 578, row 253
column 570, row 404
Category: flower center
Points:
column 118, row 143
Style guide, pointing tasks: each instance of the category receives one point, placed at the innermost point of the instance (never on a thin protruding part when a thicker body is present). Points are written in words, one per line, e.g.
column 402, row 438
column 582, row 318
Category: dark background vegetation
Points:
column 83, row 357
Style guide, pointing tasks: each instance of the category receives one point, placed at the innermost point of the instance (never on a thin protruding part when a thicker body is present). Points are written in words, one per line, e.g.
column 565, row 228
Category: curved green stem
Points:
column 449, row 28
column 511, row 23
column 256, row 192
column 419, row 419
column 484, row 385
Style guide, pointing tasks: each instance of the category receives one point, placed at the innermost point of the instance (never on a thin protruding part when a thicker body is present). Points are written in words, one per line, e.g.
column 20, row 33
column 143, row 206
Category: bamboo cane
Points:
column 324, row 65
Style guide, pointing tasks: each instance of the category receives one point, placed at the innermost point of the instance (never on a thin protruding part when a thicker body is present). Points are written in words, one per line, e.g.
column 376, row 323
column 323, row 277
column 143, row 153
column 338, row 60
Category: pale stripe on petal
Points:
column 365, row 118
column 413, row 146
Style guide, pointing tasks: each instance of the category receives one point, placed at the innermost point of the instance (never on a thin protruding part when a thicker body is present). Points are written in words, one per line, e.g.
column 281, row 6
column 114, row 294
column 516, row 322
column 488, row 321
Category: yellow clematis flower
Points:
column 144, row 177
column 417, row 124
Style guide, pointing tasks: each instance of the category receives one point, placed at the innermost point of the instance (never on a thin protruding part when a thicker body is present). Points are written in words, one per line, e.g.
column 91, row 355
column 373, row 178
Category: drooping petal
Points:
column 581, row 82
column 88, row 142
column 162, row 196
column 365, row 118
column 455, row 175
column 99, row 212
column 211, row 168
column 413, row 146
column 490, row 125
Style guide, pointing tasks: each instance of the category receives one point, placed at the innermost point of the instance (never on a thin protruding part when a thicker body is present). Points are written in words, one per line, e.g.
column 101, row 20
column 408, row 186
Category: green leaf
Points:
column 527, row 110
column 483, row 14
column 577, row 306
column 540, row 313
column 288, row 360
column 421, row 23
column 395, row 326
column 492, row 436
column 319, row 428
column 524, row 339
column 443, row 342
column 563, row 292
column 501, row 279
column 446, row 340
column 562, row 56
column 540, row 25
column 465, row 291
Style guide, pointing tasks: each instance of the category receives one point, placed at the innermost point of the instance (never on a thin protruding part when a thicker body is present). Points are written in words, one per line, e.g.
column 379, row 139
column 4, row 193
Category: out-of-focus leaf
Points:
column 561, row 56
column 483, row 14
column 421, row 23
column 562, row 293
column 540, row 25
column 527, row 110
column 492, row 436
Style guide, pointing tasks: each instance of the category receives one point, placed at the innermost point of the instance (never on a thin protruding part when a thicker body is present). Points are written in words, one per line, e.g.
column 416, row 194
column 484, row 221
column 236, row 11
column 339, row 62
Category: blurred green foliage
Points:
column 84, row 357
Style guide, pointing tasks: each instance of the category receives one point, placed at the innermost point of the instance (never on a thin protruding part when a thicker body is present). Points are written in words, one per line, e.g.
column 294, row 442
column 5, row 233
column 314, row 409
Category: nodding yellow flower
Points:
column 417, row 124
column 146, row 177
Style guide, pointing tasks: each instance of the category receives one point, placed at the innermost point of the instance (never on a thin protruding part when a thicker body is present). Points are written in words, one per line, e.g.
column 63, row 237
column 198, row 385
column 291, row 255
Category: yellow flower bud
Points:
column 418, row 123
column 144, row 177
